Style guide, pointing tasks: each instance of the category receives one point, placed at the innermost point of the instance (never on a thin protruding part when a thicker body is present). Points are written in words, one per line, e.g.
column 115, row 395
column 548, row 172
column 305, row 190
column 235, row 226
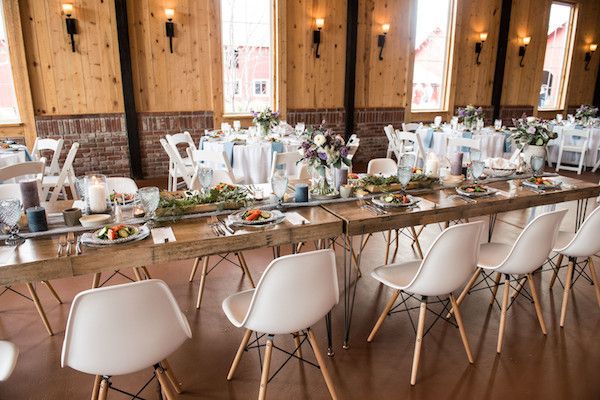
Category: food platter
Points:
column 395, row 200
column 256, row 217
column 541, row 183
column 474, row 191
column 101, row 237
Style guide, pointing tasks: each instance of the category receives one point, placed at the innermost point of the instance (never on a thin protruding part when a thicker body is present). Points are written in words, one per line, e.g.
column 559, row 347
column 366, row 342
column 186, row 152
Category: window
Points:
column 558, row 52
column 433, row 40
column 9, row 110
column 247, row 31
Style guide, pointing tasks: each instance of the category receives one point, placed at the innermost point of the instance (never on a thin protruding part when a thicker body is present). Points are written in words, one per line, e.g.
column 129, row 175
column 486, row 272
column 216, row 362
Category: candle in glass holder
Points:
column 96, row 194
column 456, row 163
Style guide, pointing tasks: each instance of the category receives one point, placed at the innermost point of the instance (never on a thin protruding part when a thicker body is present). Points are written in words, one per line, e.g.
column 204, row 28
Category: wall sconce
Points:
column 385, row 28
column 479, row 45
column 71, row 23
column 522, row 49
column 319, row 23
column 170, row 27
column 588, row 55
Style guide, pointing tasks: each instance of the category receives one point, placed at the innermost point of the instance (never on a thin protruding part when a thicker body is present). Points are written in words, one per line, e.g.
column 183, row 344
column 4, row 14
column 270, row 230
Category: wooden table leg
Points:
column 194, row 268
column 52, row 291
column 96, row 280
column 416, row 240
column 39, row 307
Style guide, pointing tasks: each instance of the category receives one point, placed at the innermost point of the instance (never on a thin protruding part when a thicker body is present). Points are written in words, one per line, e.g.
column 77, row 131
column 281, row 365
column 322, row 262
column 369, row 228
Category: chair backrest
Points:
column 66, row 172
column 585, row 243
column 27, row 170
column 8, row 359
column 384, row 166
column 294, row 293
column 410, row 126
column 353, row 140
column 121, row 329
column 13, row 191
column 453, row 142
column 534, row 244
column 449, row 262
column 575, row 137
column 53, row 145
column 288, row 161
column 177, row 161
column 121, row 185
column 218, row 161
column 184, row 138
column 400, row 148
column 389, row 133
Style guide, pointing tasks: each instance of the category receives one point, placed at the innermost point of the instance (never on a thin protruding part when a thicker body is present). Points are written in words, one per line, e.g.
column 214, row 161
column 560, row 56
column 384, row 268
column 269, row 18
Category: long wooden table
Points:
column 441, row 206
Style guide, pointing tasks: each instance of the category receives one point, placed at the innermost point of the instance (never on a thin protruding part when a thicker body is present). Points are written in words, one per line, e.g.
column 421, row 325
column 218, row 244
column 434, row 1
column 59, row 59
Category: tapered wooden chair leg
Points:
column 465, row 291
column 96, row 280
column 387, row 246
column 40, row 309
column 567, row 289
column 418, row 342
column 246, row 269
column 495, row 288
column 52, row 291
column 416, row 239
column 322, row 365
column 555, row 270
column 103, row 392
column 146, row 272
column 164, row 382
column 503, row 313
column 264, row 376
column 536, row 303
column 383, row 315
column 461, row 328
column 297, row 343
column 175, row 383
column 238, row 355
column 202, row 281
column 96, row 389
column 594, row 279
column 194, row 269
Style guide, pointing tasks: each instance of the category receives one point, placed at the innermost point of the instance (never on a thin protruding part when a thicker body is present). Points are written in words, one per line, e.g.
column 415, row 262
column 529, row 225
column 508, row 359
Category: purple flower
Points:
column 323, row 156
column 344, row 151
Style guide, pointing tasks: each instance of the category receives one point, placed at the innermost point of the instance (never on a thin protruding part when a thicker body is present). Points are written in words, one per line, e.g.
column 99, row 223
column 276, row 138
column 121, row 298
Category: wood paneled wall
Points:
column 62, row 82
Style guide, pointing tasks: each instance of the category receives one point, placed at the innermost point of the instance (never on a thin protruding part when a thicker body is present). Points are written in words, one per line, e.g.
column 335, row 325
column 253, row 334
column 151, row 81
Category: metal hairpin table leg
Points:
column 580, row 212
column 330, row 352
column 350, row 292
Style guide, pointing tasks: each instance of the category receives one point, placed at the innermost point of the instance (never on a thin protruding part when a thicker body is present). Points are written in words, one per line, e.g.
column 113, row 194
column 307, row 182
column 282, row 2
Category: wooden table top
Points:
column 439, row 206
column 37, row 260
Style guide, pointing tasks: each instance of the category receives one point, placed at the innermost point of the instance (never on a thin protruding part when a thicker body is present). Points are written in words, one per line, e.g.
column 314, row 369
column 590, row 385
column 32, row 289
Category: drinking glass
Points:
column 559, row 118
column 299, row 128
column 477, row 168
column 404, row 176
column 497, row 124
column 537, row 165
column 279, row 183
column 407, row 160
column 205, row 176
column 10, row 213
column 475, row 155
column 149, row 197
column 237, row 125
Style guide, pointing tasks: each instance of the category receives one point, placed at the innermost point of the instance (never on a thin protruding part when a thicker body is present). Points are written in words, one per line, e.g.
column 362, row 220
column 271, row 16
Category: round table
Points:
column 492, row 142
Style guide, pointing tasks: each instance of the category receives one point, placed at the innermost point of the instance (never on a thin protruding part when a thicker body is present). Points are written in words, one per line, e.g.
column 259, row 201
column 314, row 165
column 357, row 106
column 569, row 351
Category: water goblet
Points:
column 407, row 160
column 279, row 184
column 477, row 168
column 537, row 165
column 205, row 176
column 299, row 128
column 404, row 176
column 10, row 213
column 149, row 198
column 475, row 155
column 497, row 124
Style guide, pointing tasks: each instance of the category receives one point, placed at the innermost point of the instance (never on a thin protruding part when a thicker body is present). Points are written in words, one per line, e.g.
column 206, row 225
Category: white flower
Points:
column 319, row 140
column 301, row 151
column 530, row 119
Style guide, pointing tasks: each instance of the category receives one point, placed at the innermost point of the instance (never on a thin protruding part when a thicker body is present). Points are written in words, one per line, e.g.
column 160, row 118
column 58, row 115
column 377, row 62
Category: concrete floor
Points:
column 562, row 365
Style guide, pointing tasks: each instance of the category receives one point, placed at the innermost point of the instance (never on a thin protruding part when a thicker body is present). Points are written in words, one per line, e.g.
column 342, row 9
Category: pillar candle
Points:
column 456, row 163
column 301, row 194
column 97, row 197
column 30, row 196
column 36, row 219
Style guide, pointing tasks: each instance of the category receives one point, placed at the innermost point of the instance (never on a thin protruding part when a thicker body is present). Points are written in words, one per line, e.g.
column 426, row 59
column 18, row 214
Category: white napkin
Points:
column 296, row 219
column 160, row 234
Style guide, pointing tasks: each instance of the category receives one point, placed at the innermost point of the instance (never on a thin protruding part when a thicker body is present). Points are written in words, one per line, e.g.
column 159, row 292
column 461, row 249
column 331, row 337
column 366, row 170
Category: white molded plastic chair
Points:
column 583, row 244
column 122, row 329
column 23, row 171
column 446, row 267
column 53, row 145
column 286, row 159
column 383, row 166
column 121, row 185
column 573, row 141
column 528, row 253
column 222, row 170
column 56, row 184
column 409, row 143
column 8, row 359
column 184, row 138
column 410, row 126
column 294, row 293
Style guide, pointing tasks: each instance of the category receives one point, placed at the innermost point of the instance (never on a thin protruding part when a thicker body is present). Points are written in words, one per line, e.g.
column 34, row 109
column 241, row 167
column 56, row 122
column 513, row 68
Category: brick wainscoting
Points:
column 369, row 123
column 155, row 125
column 507, row 113
column 333, row 117
column 103, row 146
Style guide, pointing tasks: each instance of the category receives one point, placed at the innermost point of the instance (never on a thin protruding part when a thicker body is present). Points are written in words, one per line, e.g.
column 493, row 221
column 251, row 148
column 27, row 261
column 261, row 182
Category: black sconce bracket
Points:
column 587, row 59
column 317, row 41
column 71, row 30
column 478, row 49
column 522, row 55
column 381, row 45
column 170, row 31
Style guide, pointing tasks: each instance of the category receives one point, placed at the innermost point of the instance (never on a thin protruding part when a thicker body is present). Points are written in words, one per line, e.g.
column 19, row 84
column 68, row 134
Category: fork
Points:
column 70, row 241
column 62, row 242
column 213, row 222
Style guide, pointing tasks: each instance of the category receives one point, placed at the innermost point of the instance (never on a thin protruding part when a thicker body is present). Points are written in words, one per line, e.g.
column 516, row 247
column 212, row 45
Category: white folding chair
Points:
column 583, row 244
column 390, row 135
column 23, row 171
column 222, row 170
column 410, row 126
column 55, row 184
column 293, row 294
column 446, row 267
column 8, row 359
column 383, row 166
column 453, row 142
column 180, row 170
column 573, row 141
column 175, row 140
column 353, row 144
column 123, row 329
column 528, row 253
column 289, row 160
column 53, row 145
column 597, row 165
column 409, row 143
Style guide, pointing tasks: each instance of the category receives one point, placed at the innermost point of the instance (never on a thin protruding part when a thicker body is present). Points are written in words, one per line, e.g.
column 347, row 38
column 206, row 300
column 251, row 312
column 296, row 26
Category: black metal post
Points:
column 350, row 78
column 501, row 55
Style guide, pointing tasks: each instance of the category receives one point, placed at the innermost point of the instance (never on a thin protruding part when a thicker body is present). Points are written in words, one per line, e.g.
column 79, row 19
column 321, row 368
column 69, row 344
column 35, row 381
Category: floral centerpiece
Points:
column 531, row 135
column 584, row 113
column 322, row 150
column 469, row 115
column 265, row 120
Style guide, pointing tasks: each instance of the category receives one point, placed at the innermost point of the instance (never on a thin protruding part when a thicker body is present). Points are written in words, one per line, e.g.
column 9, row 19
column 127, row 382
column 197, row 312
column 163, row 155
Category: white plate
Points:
column 276, row 217
column 381, row 203
column 556, row 185
column 94, row 240
column 474, row 194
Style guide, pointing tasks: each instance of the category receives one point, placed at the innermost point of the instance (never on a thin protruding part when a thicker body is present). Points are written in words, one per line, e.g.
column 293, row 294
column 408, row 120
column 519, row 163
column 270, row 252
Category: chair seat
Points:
column 397, row 276
column 492, row 254
column 236, row 306
column 51, row 181
column 8, row 359
column 563, row 239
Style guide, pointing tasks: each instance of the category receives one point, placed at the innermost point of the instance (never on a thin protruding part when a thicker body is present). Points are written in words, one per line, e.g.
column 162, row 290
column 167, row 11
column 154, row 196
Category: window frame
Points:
column 566, row 67
column 448, row 67
column 11, row 61
column 267, row 87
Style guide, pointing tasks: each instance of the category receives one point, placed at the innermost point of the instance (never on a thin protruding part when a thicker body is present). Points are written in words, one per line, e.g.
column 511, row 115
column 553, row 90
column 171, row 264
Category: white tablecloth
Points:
column 252, row 161
column 573, row 158
column 492, row 142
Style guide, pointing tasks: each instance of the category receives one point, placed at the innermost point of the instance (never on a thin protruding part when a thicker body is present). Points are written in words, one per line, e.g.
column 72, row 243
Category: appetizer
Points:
column 541, row 181
column 395, row 199
column 473, row 189
column 121, row 197
column 116, row 232
column 255, row 215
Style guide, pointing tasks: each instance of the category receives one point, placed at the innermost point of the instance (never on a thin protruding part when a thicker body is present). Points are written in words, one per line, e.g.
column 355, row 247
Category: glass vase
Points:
column 321, row 185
